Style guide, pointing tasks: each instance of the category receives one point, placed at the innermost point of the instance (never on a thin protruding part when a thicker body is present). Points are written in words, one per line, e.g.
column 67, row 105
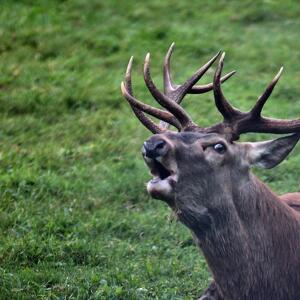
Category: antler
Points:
column 237, row 122
column 170, row 99
column 139, row 107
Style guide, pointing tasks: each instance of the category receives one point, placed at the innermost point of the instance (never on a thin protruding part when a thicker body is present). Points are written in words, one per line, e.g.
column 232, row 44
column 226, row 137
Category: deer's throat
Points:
column 233, row 230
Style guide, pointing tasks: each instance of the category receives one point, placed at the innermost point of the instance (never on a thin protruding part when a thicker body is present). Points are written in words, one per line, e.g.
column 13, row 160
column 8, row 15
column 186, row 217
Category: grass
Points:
column 75, row 220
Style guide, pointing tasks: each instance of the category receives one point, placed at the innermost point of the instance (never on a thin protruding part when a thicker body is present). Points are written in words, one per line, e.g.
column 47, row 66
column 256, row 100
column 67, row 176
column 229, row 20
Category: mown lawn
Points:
column 75, row 219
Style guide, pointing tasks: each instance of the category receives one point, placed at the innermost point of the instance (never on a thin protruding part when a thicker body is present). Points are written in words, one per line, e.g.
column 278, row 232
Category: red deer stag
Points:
column 249, row 236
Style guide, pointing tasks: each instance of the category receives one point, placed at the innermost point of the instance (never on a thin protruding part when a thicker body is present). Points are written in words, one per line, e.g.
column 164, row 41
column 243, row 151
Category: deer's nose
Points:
column 153, row 148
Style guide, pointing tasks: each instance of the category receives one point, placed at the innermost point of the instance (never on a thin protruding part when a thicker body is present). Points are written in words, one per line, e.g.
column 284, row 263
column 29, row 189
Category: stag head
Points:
column 195, row 162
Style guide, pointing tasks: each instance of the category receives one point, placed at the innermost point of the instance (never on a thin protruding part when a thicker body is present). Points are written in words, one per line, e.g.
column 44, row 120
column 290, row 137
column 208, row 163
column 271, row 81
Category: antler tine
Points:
column 139, row 114
column 177, row 92
column 155, row 112
column 222, row 104
column 182, row 90
column 168, row 85
column 164, row 100
column 201, row 89
column 257, row 109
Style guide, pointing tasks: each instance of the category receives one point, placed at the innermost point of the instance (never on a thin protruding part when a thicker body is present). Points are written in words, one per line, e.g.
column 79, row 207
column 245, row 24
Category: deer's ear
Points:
column 269, row 154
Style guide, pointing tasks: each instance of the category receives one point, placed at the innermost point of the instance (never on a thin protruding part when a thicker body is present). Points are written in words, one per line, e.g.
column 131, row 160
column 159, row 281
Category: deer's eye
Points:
column 220, row 148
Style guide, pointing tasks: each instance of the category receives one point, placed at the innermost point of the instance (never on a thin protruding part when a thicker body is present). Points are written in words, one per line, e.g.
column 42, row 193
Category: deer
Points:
column 249, row 236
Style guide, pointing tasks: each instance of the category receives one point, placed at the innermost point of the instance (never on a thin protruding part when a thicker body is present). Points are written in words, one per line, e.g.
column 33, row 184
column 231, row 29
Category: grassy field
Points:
column 75, row 219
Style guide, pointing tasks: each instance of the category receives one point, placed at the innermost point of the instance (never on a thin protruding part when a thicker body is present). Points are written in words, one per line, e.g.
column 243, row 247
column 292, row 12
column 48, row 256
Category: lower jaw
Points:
column 159, row 188
column 155, row 180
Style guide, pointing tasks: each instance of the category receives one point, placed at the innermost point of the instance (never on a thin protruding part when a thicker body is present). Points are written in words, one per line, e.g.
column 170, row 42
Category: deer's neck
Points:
column 245, row 234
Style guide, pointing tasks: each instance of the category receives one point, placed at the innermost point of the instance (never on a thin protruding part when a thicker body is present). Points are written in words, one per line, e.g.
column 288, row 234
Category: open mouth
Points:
column 161, row 186
column 157, row 169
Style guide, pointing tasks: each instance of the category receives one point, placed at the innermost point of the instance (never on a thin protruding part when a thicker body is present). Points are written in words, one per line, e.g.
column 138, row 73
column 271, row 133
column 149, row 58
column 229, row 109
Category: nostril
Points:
column 160, row 144
column 153, row 148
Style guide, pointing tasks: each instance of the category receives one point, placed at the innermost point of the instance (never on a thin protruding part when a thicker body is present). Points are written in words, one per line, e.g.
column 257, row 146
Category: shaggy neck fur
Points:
column 249, row 237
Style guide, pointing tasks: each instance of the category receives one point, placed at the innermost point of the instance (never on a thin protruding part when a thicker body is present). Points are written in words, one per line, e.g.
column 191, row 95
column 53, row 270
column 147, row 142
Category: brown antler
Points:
column 127, row 90
column 237, row 122
column 177, row 92
column 170, row 99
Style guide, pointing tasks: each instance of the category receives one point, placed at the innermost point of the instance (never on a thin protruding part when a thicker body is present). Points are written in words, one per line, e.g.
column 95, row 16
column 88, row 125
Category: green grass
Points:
column 75, row 219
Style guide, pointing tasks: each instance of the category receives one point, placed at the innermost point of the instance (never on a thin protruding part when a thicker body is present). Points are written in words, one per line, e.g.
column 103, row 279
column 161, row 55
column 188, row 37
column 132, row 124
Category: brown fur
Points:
column 256, row 254
column 249, row 236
